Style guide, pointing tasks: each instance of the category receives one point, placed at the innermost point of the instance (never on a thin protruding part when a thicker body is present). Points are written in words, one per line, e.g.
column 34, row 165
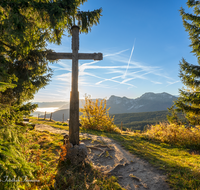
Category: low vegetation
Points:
column 31, row 160
column 180, row 162
column 173, row 148
column 174, row 134
column 175, row 154
column 27, row 160
column 84, row 176
column 56, row 124
column 32, row 155
column 96, row 117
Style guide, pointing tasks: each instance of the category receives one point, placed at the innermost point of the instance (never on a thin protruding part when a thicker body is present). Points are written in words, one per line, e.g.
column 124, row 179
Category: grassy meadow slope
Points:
column 164, row 146
column 38, row 163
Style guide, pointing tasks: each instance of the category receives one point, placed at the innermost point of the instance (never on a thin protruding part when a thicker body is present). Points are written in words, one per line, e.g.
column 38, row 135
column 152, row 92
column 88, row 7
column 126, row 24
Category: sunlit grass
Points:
column 180, row 163
column 42, row 151
column 45, row 151
column 56, row 124
column 175, row 134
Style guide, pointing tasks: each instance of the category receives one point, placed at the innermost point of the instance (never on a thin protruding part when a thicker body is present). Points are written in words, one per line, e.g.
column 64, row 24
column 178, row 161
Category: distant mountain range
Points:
column 148, row 102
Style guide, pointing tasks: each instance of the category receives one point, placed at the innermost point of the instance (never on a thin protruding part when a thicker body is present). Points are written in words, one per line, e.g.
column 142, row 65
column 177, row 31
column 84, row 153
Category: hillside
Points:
column 58, row 115
column 175, row 154
column 139, row 121
column 148, row 102
column 134, row 121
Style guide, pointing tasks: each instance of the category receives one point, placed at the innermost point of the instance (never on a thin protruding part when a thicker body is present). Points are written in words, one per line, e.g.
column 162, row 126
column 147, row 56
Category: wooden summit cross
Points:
column 74, row 94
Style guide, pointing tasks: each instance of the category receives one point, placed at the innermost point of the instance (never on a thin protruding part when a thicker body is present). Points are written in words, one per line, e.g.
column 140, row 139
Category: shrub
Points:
column 180, row 135
column 96, row 117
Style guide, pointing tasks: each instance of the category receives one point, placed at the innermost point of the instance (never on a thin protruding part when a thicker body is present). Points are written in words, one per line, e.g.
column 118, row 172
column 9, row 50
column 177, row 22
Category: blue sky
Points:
column 142, row 44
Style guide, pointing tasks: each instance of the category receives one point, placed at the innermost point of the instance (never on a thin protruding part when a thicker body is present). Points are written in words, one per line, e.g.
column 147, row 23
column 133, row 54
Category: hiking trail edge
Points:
column 109, row 157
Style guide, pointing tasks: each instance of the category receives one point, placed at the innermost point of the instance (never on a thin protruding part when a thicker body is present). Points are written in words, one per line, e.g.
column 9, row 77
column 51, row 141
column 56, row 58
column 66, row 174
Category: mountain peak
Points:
column 146, row 103
column 148, row 94
column 151, row 95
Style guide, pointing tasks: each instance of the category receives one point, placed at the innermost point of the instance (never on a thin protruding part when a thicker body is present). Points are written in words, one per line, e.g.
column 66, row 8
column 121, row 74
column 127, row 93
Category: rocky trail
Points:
column 110, row 157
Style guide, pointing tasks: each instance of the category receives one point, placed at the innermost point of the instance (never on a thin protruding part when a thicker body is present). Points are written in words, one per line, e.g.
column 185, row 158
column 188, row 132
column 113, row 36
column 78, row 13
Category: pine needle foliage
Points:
column 189, row 101
column 96, row 116
column 27, row 159
column 25, row 29
column 14, row 165
column 87, row 19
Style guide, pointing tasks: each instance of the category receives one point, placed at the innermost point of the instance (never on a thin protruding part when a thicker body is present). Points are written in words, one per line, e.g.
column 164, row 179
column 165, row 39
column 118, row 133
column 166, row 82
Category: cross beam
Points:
column 83, row 56
column 74, row 94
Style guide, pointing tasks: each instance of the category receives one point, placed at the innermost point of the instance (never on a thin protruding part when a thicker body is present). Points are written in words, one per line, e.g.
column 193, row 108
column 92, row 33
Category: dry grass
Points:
column 94, row 124
column 175, row 134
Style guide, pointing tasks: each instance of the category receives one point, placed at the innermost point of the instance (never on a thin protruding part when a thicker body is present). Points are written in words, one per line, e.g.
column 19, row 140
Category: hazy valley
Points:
column 150, row 108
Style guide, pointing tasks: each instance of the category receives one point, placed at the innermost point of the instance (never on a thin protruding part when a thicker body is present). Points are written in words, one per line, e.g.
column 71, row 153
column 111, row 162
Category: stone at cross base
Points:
column 76, row 152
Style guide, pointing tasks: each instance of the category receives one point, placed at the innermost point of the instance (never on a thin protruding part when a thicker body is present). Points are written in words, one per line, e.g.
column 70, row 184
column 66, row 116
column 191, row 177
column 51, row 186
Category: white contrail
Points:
column 138, row 76
column 171, row 83
column 108, row 79
column 85, row 65
column 129, row 61
column 116, row 53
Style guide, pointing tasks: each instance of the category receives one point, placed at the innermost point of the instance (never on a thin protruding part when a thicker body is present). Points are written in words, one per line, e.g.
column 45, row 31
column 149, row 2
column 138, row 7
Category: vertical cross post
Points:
column 74, row 94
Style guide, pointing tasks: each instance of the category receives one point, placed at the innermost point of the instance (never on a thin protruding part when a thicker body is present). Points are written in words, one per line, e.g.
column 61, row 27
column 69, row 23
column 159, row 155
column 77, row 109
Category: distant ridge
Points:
column 148, row 102
column 58, row 115
column 140, row 121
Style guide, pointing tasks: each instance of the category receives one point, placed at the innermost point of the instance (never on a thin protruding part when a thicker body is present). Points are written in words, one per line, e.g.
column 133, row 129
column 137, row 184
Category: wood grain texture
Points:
column 83, row 56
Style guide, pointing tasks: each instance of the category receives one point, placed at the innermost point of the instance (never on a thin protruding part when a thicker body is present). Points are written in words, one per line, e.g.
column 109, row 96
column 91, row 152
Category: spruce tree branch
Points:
column 9, row 46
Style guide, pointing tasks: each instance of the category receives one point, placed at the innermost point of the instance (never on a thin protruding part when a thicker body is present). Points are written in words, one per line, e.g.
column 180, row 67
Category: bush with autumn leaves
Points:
column 95, row 116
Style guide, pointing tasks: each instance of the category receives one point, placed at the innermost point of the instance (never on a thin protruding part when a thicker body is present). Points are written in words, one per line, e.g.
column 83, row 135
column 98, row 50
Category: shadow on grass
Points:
column 83, row 176
column 74, row 177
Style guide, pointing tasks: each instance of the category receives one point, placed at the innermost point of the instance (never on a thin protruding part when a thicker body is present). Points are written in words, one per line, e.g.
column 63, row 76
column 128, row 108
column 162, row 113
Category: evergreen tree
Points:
column 25, row 28
column 189, row 100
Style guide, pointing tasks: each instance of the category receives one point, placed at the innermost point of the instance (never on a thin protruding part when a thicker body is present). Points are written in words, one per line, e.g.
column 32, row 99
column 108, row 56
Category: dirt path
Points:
column 108, row 156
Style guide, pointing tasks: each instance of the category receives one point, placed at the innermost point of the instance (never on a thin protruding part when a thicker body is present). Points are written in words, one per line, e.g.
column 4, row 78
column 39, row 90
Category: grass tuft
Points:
column 179, row 135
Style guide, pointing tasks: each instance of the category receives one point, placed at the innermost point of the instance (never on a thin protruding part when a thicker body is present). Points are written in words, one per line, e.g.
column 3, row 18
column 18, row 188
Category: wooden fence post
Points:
column 121, row 126
column 38, row 116
column 50, row 116
column 63, row 118
column 45, row 115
